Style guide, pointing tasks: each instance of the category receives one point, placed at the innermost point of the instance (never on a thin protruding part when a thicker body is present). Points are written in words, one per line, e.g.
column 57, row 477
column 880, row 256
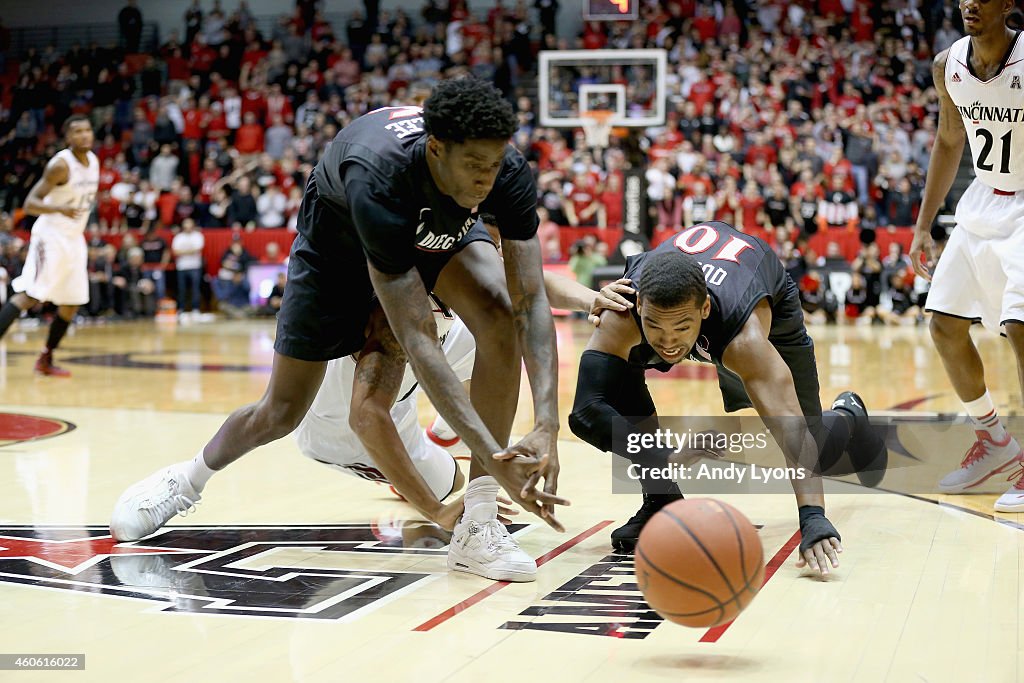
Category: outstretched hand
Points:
column 519, row 471
column 820, row 555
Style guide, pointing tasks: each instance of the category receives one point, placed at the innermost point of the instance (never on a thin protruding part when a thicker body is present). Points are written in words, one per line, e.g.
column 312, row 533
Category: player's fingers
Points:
column 810, row 560
column 595, row 320
column 614, row 297
column 544, row 497
column 513, row 452
column 529, row 487
column 830, row 552
column 837, row 544
column 821, row 558
column 610, row 304
column 553, row 522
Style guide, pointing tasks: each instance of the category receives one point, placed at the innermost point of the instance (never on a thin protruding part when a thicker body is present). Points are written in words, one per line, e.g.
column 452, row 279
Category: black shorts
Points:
column 789, row 337
column 328, row 299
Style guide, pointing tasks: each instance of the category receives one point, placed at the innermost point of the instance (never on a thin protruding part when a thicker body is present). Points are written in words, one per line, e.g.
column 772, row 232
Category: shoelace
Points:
column 976, row 452
column 166, row 503
column 494, row 535
column 1017, row 478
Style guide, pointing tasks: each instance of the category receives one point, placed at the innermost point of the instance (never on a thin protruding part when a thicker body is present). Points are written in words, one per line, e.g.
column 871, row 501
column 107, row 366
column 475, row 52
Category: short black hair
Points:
column 73, row 119
column 671, row 279
column 468, row 108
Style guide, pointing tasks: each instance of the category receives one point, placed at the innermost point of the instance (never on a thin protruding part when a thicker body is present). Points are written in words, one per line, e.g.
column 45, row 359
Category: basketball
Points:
column 699, row 562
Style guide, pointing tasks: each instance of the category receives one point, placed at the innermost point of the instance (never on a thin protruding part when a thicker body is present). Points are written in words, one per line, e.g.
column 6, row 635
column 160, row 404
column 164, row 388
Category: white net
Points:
column 597, row 126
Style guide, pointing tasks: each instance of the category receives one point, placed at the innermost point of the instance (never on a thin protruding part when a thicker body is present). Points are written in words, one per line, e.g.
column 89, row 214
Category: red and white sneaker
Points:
column 1013, row 499
column 444, row 436
column 45, row 366
column 984, row 459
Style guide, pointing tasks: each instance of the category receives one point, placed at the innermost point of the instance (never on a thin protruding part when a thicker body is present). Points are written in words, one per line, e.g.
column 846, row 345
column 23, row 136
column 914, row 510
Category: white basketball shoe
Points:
column 984, row 459
column 147, row 505
column 482, row 545
column 1013, row 499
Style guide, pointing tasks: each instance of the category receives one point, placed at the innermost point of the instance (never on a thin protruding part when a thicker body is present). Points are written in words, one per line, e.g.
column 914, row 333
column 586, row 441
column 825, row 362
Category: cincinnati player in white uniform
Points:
column 325, row 436
column 55, row 270
column 980, row 276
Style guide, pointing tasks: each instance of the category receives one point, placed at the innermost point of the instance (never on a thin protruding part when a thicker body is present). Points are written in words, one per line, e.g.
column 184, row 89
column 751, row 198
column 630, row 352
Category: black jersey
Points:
column 374, row 173
column 740, row 271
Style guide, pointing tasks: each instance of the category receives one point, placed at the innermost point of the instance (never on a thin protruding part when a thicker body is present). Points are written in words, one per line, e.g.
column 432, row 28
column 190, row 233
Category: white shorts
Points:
column 56, row 268
column 325, row 436
column 980, row 275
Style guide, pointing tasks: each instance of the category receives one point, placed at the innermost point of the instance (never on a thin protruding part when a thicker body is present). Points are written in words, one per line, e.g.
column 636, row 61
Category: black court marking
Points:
column 128, row 360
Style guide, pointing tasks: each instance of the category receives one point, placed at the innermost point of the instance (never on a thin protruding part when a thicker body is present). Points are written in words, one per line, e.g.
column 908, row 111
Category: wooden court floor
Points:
column 289, row 571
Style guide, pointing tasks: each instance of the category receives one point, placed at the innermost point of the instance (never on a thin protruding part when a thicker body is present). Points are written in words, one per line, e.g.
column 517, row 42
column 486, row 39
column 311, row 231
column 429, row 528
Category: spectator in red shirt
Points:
column 278, row 105
column 751, row 214
column 761, row 150
column 193, row 120
column 581, row 204
column 108, row 211
column 702, row 92
column 249, row 138
column 208, row 179
column 705, row 24
column 109, row 175
column 547, row 234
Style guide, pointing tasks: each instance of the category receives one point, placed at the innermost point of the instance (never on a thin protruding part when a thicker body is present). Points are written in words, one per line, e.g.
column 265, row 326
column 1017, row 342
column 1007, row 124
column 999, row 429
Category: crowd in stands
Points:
column 787, row 119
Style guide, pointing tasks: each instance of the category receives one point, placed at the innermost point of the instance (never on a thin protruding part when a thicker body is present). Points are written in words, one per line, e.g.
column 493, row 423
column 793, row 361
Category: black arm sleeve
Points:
column 603, row 379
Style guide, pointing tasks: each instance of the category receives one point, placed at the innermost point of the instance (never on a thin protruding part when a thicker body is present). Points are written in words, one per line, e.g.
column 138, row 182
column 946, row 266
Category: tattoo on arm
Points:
column 404, row 299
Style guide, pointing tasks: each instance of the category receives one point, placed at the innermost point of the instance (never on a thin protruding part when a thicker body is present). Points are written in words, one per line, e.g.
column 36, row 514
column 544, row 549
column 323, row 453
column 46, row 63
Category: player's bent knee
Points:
column 583, row 424
column 278, row 419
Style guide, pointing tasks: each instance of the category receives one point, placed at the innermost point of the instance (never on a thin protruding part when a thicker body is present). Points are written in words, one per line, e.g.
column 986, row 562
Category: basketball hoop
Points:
column 597, row 126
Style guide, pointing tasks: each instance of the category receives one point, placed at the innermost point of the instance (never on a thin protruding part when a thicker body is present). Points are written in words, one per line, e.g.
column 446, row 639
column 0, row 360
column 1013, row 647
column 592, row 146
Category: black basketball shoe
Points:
column 625, row 537
column 868, row 452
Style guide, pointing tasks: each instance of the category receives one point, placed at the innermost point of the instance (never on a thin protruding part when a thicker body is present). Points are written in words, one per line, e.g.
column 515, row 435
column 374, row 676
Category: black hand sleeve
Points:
column 814, row 526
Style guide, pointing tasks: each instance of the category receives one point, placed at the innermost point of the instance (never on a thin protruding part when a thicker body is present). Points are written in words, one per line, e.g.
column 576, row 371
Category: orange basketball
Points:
column 699, row 562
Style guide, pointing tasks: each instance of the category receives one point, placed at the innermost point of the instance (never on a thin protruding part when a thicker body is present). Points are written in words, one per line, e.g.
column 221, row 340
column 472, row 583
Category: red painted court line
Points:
column 713, row 634
column 498, row 585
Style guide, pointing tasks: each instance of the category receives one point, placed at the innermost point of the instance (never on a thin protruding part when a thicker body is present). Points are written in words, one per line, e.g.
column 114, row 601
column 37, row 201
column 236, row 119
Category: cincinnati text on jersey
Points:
column 976, row 112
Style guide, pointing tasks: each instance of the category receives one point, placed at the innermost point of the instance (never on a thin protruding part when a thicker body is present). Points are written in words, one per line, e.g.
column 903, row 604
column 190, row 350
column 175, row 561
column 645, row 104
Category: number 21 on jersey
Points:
column 1004, row 150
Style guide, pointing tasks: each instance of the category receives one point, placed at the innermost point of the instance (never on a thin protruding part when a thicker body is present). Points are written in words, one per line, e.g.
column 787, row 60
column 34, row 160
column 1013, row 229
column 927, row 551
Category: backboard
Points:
column 629, row 82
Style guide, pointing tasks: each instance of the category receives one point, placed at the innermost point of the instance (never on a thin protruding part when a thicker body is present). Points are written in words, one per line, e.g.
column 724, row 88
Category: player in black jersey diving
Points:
column 737, row 308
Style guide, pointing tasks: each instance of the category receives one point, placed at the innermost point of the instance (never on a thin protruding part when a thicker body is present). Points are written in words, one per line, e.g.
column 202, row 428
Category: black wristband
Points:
column 814, row 526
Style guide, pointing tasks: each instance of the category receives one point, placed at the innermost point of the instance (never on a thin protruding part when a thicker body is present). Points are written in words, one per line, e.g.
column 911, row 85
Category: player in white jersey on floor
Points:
column 980, row 276
column 55, row 269
column 424, row 474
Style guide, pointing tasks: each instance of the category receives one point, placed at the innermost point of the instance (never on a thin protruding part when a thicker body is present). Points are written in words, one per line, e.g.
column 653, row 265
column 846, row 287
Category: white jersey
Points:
column 79, row 191
column 325, row 436
column 993, row 114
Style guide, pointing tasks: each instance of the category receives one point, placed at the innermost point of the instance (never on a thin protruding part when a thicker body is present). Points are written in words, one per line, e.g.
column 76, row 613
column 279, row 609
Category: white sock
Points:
column 198, row 472
column 442, row 429
column 482, row 499
column 983, row 414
